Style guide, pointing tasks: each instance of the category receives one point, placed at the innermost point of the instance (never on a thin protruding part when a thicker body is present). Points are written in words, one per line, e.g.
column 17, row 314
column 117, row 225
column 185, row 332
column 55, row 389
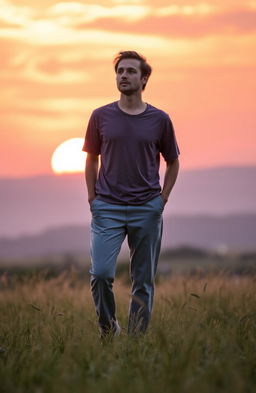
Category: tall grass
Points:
column 202, row 338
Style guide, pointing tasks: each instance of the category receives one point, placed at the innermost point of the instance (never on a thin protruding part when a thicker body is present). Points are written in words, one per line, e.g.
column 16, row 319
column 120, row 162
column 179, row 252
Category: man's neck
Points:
column 132, row 104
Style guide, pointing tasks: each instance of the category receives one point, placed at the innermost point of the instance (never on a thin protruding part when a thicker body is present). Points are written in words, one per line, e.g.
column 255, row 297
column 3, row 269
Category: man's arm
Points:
column 171, row 173
column 91, row 174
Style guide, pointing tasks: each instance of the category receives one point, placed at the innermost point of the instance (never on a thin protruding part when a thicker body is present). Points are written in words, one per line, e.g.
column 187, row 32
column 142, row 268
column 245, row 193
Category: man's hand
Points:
column 171, row 173
column 91, row 199
column 91, row 174
column 164, row 198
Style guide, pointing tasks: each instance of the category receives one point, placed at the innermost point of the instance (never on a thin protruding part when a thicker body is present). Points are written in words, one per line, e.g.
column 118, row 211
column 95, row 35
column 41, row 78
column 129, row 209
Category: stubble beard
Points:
column 128, row 92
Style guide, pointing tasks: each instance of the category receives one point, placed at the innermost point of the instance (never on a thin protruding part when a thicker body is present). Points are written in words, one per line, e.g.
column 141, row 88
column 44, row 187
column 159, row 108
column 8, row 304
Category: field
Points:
column 202, row 337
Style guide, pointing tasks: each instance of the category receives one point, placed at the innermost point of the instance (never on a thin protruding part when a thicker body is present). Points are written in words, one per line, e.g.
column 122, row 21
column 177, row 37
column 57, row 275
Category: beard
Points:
column 128, row 91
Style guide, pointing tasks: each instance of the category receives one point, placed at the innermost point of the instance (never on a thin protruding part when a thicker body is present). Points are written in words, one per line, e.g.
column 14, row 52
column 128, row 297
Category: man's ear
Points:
column 144, row 79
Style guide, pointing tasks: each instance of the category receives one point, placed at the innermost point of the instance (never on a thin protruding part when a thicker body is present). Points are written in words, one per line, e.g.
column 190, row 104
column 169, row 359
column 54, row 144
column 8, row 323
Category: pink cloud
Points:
column 238, row 21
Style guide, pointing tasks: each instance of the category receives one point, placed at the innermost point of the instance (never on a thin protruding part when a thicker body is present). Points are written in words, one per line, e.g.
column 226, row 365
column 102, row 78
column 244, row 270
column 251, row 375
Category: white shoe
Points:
column 117, row 330
column 114, row 332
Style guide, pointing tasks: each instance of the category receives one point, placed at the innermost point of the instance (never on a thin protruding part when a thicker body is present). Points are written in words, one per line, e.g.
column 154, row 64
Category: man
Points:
column 125, row 196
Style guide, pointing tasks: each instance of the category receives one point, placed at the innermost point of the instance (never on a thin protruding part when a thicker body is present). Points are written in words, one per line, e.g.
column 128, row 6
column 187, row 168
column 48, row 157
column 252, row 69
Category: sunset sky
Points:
column 57, row 66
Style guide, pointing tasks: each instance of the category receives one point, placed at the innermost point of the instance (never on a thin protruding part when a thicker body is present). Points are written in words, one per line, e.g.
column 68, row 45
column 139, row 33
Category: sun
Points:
column 68, row 157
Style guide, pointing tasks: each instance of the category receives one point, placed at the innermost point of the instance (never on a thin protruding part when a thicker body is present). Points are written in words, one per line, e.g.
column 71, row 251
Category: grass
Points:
column 202, row 338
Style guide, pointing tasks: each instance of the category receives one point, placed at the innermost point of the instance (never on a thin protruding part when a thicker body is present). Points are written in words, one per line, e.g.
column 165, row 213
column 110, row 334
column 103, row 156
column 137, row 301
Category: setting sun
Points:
column 68, row 157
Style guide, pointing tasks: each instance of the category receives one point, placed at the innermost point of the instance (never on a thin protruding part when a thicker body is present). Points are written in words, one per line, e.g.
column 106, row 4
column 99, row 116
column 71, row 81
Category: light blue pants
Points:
column 109, row 226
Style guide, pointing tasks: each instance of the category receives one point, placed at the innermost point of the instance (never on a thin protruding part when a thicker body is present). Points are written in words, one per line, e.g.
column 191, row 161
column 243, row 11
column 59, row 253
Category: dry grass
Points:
column 202, row 338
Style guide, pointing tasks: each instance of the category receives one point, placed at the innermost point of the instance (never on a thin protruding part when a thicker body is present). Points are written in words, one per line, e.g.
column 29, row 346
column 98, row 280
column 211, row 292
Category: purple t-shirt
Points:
column 129, row 147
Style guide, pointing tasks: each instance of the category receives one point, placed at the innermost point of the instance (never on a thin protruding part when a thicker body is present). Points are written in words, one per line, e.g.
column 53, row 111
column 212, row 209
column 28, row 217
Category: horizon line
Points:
column 54, row 175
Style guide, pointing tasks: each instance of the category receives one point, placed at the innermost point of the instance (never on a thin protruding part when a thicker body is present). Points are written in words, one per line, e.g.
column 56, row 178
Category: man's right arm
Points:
column 91, row 174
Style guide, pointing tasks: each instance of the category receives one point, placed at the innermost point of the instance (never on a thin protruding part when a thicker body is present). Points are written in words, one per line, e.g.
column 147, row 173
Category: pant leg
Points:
column 107, row 234
column 144, row 228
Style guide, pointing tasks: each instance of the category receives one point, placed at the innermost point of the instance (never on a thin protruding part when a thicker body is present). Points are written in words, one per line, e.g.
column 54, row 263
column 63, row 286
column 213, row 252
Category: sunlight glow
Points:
column 68, row 157
column 197, row 9
column 90, row 12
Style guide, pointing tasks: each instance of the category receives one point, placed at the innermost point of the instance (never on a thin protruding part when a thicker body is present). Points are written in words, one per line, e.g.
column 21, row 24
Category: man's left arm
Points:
column 171, row 173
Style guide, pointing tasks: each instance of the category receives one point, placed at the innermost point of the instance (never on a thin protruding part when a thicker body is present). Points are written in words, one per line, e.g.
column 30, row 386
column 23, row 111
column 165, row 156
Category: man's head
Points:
column 132, row 71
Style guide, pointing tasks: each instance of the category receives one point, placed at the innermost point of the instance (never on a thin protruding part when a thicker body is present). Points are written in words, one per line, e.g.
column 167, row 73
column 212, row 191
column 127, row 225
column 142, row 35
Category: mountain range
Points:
column 234, row 233
column 31, row 205
column 49, row 215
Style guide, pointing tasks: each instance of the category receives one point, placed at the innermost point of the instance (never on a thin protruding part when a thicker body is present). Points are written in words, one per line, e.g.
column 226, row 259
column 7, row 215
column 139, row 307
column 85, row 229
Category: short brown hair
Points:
column 145, row 68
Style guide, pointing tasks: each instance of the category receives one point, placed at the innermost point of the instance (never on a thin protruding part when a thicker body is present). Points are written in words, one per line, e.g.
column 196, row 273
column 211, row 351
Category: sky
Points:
column 57, row 66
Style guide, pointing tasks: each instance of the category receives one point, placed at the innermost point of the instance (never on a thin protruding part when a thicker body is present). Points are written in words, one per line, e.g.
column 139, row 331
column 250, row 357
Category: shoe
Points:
column 108, row 335
column 118, row 330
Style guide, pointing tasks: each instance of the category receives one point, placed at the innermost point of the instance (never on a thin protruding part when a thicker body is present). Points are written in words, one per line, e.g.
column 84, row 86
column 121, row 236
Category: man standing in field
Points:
column 124, row 194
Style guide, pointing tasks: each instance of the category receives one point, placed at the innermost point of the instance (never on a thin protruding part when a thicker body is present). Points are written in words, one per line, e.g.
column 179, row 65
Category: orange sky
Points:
column 56, row 67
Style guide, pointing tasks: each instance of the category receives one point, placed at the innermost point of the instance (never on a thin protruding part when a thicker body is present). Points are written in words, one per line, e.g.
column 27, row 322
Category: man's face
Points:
column 128, row 77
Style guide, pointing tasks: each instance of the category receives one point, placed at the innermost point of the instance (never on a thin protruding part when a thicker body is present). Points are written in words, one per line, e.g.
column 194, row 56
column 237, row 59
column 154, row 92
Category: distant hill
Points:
column 30, row 205
column 231, row 232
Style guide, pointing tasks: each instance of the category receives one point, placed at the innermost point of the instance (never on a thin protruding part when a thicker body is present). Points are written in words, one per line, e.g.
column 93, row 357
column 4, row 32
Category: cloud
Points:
column 181, row 25
column 45, row 32
column 14, row 15
column 7, row 25
column 76, row 22
column 54, row 48
column 196, row 9
column 177, row 20
column 127, row 1
column 86, row 13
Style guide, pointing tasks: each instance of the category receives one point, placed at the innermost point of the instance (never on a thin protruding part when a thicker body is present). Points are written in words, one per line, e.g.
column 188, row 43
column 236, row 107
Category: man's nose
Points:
column 123, row 75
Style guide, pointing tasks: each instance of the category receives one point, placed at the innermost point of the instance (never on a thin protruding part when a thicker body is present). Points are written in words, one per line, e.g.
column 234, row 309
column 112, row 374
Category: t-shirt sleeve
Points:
column 168, row 144
column 92, row 142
